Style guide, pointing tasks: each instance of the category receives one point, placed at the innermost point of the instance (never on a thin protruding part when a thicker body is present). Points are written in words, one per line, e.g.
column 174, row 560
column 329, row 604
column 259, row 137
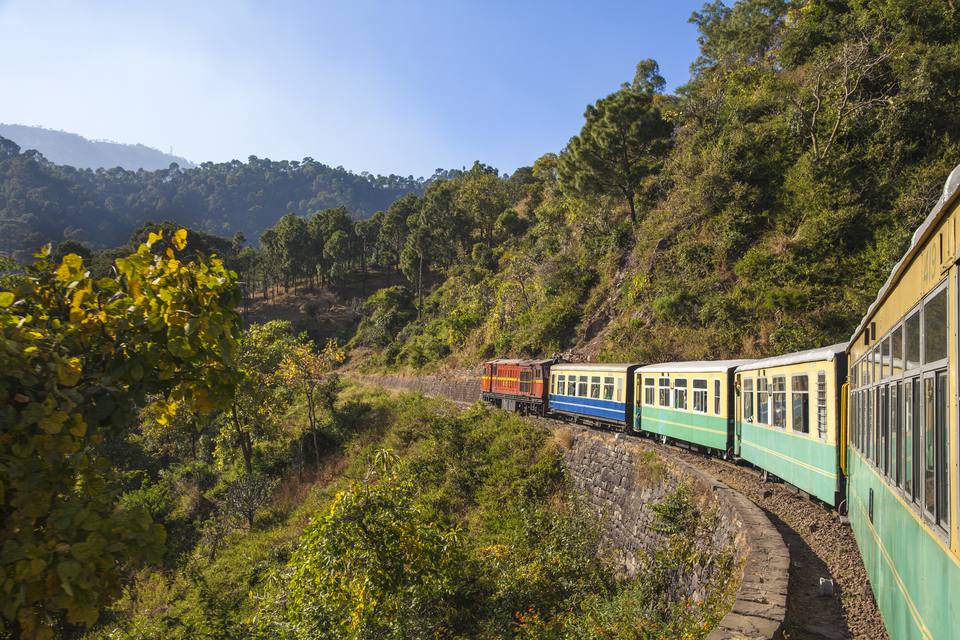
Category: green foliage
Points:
column 375, row 565
column 44, row 202
column 77, row 356
column 623, row 140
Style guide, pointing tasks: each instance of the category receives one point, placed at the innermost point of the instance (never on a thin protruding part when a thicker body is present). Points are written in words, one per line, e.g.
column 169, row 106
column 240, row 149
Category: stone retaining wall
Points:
column 623, row 477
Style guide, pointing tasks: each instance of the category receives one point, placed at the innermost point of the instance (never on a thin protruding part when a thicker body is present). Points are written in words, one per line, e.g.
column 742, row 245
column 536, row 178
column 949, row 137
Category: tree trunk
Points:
column 245, row 444
column 420, row 289
column 633, row 208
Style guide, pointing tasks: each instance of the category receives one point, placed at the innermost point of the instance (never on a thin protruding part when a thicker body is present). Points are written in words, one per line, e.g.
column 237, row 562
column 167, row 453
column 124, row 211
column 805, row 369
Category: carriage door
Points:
column 737, row 415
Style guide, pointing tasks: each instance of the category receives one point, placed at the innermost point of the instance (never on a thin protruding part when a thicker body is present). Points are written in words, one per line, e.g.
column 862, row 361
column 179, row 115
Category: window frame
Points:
column 664, row 392
column 700, row 393
column 805, row 415
column 679, row 389
column 652, row 388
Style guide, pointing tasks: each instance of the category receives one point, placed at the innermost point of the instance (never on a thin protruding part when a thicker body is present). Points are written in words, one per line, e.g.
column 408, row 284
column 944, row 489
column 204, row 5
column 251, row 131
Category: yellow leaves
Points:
column 68, row 372
column 6, row 299
column 79, row 428
column 180, row 239
column 153, row 238
column 70, row 269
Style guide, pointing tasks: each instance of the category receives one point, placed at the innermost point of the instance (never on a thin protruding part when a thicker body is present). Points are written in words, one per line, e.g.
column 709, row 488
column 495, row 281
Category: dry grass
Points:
column 564, row 438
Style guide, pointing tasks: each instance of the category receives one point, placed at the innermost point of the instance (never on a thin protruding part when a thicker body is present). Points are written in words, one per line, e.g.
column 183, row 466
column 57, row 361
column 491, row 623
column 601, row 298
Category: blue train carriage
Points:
column 589, row 393
column 691, row 402
column 789, row 419
column 902, row 450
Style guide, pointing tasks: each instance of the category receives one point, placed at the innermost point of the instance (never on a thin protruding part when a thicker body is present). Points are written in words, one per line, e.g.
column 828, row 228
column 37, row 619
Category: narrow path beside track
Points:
column 820, row 546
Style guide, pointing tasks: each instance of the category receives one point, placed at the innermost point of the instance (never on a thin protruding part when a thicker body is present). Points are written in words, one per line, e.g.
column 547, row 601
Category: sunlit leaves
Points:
column 76, row 358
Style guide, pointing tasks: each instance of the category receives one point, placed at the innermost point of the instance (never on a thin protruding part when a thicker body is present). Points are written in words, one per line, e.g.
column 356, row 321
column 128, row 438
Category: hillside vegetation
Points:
column 43, row 202
column 756, row 211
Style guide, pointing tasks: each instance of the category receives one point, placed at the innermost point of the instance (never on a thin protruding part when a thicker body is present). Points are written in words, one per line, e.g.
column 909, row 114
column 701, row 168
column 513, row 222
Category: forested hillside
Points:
column 61, row 147
column 758, row 210
column 43, row 202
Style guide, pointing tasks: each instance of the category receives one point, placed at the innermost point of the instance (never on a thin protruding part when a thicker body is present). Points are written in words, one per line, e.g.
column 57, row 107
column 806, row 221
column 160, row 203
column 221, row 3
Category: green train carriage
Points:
column 789, row 419
column 902, row 452
column 690, row 402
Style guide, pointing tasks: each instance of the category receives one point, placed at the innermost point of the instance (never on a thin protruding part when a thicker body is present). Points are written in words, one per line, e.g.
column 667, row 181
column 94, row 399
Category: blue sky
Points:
column 387, row 87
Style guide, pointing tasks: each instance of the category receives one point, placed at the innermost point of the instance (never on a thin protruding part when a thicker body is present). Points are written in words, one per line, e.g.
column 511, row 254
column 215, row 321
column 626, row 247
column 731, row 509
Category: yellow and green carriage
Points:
column 903, row 420
column 789, row 419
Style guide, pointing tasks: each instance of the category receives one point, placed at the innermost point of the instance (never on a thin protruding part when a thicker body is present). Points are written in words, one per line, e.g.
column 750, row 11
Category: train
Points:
column 870, row 427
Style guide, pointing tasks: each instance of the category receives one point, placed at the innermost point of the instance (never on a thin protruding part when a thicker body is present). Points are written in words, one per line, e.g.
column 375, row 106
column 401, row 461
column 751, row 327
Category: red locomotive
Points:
column 516, row 385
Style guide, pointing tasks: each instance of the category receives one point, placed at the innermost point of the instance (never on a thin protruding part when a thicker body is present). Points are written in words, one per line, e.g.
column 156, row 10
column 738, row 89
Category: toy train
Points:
column 870, row 426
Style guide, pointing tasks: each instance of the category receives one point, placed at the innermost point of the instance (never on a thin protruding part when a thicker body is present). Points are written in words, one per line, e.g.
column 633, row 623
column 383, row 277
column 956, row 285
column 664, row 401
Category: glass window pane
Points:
column 896, row 351
column 929, row 444
column 800, row 404
column 595, row 387
column 885, row 358
column 911, row 339
column 608, row 388
column 664, row 392
column 582, row 387
column 884, row 421
column 561, row 385
column 895, row 427
column 763, row 402
column 716, row 397
column 648, row 391
column 779, row 401
column 909, row 429
column 748, row 399
column 935, row 328
column 680, row 393
column 943, row 453
column 619, row 396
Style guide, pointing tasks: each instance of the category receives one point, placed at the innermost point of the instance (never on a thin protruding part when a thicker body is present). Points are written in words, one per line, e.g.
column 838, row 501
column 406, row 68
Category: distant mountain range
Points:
column 74, row 150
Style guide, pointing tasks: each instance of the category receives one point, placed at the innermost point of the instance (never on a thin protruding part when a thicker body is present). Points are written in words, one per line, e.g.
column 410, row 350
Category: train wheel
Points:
column 764, row 476
column 662, row 439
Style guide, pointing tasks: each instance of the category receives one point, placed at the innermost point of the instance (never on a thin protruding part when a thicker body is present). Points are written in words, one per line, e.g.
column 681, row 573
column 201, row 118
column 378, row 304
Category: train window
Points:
column 748, row 399
column 595, row 387
column 800, row 403
column 763, row 402
column 895, row 427
column 877, row 425
column 935, row 328
column 716, row 397
column 929, row 444
column 896, row 351
column 779, row 397
column 664, row 392
column 909, row 429
column 883, row 422
column 911, row 340
column 582, row 387
column 619, row 396
column 526, row 381
column 561, row 385
column 875, row 363
column 680, row 393
column 943, row 453
column 822, row 405
column 700, row 396
column 649, row 391
column 608, row 388
column 885, row 358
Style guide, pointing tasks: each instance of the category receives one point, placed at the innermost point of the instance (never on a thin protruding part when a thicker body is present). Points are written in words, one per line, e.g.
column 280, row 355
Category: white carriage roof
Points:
column 810, row 355
column 592, row 366
column 695, row 366
column 950, row 188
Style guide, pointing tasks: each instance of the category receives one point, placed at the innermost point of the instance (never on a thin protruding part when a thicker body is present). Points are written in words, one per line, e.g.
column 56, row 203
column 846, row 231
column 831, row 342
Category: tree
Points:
column 259, row 400
column 623, row 140
column 311, row 373
column 376, row 565
column 483, row 196
column 76, row 358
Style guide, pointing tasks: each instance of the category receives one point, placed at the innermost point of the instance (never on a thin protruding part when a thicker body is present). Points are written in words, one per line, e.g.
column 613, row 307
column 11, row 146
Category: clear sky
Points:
column 389, row 87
